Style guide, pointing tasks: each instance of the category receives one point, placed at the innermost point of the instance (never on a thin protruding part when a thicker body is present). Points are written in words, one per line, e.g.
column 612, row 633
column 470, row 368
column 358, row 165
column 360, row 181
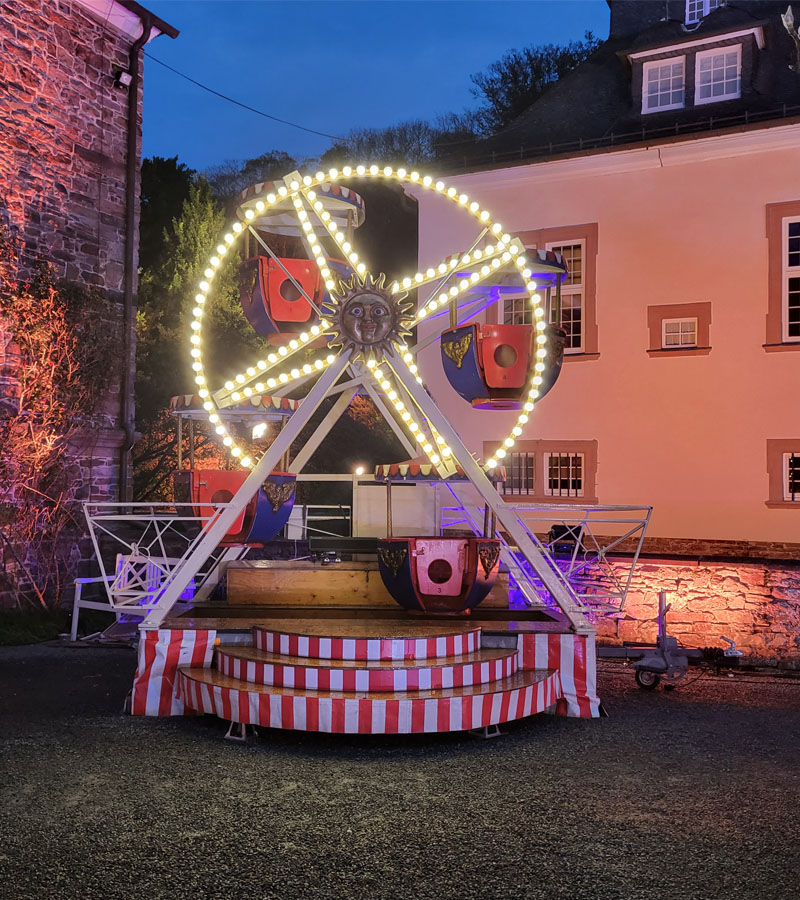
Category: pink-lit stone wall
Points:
column 756, row 604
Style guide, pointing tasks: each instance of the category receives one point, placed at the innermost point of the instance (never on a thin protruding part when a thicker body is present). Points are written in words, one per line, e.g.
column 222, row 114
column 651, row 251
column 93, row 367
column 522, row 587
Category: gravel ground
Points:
column 688, row 794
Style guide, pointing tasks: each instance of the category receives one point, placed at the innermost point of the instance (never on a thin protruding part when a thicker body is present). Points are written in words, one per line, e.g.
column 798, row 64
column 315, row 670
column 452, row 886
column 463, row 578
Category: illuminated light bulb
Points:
column 329, row 358
column 294, row 185
column 360, row 170
column 196, row 325
column 418, row 380
column 213, row 418
column 539, row 367
column 312, row 195
column 204, row 286
column 307, row 181
column 246, row 462
column 208, row 406
column 408, row 357
column 541, row 339
column 315, row 330
column 330, row 284
column 249, row 214
column 463, row 284
column 440, row 186
column 433, row 305
column 260, row 206
column 237, row 227
column 526, row 273
column 442, row 268
column 533, row 393
column 497, row 228
column 220, row 429
column 306, row 226
column 371, row 363
column 506, row 256
column 406, row 282
column 484, row 215
column 200, row 379
column 282, row 192
column 318, row 205
column 496, row 263
column 474, row 277
column 453, row 263
column 214, row 260
column 373, row 170
column 307, row 369
column 516, row 431
column 485, row 270
column 422, row 313
column 500, row 454
column 462, row 199
column 294, row 344
column 295, row 374
column 386, row 385
column 406, row 416
column 489, row 249
column 491, row 463
column 505, row 238
column 427, row 181
column 509, row 442
column 528, row 407
column 282, row 351
column 427, row 447
column 347, row 171
column 413, row 369
column 541, row 353
column 236, row 396
column 466, row 258
column 197, row 312
column 478, row 253
column 240, row 378
column 229, row 385
column 446, row 451
column 271, row 198
column 451, row 192
column 514, row 248
column 195, row 338
column 248, row 392
column 228, row 239
column 236, row 451
column 283, row 378
column 414, row 176
column 361, row 268
column 222, row 249
column 537, row 298
column 203, row 394
column 318, row 363
column 537, row 380
column 195, row 352
column 260, row 387
column 474, row 207
column 539, row 313
column 387, row 171
column 324, row 323
column 522, row 419
column 251, row 371
column 453, row 291
column 347, row 246
column 413, row 427
column 392, row 395
column 430, row 273
column 435, row 459
column 320, row 176
column 271, row 383
column 419, row 277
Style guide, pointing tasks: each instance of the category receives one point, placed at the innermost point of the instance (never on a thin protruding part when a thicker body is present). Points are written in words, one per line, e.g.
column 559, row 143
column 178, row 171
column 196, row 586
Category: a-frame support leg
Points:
column 551, row 577
column 218, row 527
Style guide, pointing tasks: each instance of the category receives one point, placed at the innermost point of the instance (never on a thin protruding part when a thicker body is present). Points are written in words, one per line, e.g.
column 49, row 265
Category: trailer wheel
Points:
column 648, row 681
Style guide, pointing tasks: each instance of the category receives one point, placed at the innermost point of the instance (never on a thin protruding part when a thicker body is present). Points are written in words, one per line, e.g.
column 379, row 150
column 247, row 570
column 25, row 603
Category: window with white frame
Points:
column 791, row 279
column 572, row 293
column 518, row 310
column 718, row 75
column 699, row 9
column 519, row 473
column 563, row 474
column 678, row 333
column 791, row 477
column 663, row 84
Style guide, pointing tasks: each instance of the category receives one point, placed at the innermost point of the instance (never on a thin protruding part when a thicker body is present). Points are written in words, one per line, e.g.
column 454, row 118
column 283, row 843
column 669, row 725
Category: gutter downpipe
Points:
column 129, row 321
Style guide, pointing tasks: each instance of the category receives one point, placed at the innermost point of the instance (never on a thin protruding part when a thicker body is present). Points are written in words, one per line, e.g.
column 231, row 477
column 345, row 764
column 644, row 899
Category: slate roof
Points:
column 592, row 108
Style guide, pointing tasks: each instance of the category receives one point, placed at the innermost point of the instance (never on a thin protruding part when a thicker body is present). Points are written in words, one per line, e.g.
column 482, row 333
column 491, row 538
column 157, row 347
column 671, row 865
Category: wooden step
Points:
column 259, row 667
column 355, row 640
column 356, row 712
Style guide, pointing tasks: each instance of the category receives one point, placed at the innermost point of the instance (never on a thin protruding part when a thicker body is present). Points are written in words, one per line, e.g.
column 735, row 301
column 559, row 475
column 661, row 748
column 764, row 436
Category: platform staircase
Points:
column 410, row 679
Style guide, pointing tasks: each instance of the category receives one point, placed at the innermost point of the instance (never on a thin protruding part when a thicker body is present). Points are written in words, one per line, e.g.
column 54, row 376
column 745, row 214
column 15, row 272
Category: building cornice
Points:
column 126, row 17
column 757, row 33
column 654, row 156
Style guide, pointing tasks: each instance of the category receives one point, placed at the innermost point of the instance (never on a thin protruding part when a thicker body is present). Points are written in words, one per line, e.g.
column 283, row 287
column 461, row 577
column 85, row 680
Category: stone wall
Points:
column 63, row 184
column 755, row 603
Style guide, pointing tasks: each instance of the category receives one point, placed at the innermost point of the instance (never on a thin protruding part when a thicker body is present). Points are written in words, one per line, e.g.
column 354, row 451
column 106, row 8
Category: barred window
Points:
column 519, row 474
column 791, row 279
column 564, row 474
column 791, row 477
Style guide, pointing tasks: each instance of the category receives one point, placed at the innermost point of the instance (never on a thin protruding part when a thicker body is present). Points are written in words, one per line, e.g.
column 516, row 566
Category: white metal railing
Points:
column 584, row 543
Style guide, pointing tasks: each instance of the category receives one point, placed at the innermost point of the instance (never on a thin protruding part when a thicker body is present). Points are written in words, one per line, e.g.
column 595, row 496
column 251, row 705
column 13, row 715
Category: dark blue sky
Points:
column 329, row 65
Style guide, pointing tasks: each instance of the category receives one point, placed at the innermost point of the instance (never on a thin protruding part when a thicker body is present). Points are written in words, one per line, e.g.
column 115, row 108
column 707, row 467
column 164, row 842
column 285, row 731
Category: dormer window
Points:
column 718, row 75
column 697, row 10
column 664, row 84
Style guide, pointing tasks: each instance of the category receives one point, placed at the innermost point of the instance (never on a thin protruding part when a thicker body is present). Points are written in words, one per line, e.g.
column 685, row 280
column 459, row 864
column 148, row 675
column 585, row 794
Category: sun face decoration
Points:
column 367, row 319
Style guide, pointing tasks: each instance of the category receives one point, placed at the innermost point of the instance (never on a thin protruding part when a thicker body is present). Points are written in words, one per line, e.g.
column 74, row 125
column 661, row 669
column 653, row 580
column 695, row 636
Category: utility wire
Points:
column 249, row 108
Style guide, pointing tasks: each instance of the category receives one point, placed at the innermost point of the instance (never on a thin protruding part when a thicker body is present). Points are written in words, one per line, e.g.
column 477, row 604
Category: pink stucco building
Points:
column 682, row 372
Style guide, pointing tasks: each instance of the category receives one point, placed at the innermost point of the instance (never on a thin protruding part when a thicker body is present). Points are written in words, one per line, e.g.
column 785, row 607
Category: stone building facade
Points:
column 70, row 104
